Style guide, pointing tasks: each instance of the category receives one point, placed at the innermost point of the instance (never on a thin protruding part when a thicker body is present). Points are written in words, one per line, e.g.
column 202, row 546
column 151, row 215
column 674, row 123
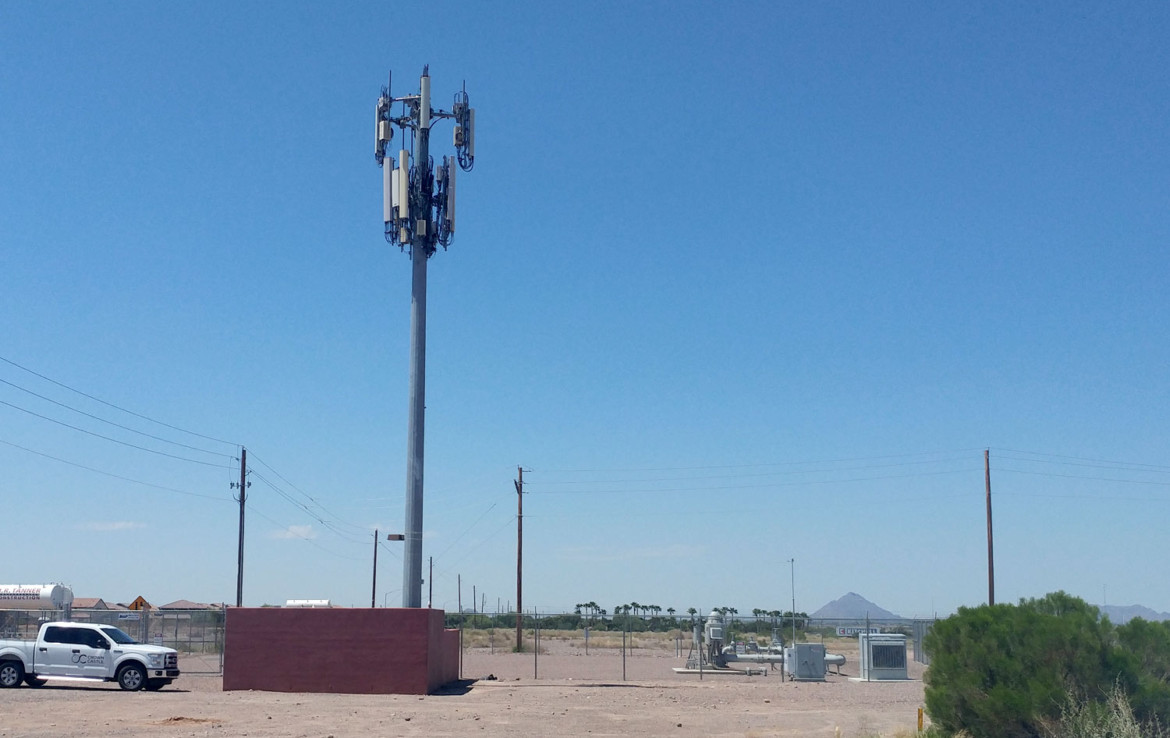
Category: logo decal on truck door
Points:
column 81, row 658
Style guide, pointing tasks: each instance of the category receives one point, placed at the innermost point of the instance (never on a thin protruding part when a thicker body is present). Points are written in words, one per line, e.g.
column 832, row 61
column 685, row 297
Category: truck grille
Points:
column 172, row 661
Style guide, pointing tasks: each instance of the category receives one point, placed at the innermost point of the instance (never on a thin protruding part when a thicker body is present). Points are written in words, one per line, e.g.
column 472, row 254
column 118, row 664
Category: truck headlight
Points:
column 156, row 660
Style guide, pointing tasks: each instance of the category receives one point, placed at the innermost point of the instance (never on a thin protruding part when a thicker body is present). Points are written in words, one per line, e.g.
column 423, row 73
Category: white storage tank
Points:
column 308, row 603
column 35, row 596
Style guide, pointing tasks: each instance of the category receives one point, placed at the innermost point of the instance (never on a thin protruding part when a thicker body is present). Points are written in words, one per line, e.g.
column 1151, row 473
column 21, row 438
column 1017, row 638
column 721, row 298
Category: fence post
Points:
column 625, row 627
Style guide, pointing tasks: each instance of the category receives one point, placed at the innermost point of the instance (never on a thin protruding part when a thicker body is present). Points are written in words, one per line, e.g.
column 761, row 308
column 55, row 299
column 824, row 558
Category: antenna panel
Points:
column 395, row 194
column 403, row 184
column 424, row 102
column 470, row 134
column 389, row 192
column 450, row 161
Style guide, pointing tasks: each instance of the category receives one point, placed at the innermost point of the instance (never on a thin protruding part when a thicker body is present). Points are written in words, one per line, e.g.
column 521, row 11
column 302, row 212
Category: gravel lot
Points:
column 574, row 694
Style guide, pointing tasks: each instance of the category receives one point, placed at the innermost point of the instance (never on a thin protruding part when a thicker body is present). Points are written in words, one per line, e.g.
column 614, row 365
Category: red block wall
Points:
column 347, row 650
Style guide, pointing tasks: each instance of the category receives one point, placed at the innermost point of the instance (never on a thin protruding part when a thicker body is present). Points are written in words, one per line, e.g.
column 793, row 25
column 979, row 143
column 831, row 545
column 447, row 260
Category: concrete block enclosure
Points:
column 342, row 650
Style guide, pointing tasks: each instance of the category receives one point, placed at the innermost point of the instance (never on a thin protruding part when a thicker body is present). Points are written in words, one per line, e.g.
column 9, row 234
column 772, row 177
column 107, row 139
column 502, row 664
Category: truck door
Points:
column 53, row 655
column 73, row 652
column 94, row 652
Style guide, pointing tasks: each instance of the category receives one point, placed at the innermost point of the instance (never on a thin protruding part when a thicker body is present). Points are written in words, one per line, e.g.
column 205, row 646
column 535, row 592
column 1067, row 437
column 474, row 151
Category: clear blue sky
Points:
column 737, row 282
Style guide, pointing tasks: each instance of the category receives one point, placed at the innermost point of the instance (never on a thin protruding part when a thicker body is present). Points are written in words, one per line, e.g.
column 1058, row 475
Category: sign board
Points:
column 854, row 631
column 129, row 616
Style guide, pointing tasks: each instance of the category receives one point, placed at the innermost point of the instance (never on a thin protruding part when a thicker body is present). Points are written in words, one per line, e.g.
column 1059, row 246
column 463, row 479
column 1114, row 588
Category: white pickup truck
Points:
column 86, row 651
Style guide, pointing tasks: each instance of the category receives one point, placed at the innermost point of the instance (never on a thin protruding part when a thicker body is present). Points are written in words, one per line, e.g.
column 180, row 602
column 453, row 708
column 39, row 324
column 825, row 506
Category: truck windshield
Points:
column 117, row 636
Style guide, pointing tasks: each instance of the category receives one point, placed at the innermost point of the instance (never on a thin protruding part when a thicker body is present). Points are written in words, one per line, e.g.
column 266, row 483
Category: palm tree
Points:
column 592, row 608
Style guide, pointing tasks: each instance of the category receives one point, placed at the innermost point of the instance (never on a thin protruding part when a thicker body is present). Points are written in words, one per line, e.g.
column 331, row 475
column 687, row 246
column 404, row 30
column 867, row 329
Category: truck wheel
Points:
column 131, row 677
column 33, row 681
column 11, row 674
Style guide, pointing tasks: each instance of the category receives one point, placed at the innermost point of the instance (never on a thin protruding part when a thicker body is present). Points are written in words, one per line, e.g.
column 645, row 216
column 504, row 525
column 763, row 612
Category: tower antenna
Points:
column 418, row 213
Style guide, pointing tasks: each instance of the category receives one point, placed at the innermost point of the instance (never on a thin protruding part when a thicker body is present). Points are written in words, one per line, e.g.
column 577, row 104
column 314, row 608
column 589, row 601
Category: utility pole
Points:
column 519, row 557
column 430, row 580
column 418, row 207
column 374, row 591
column 792, row 565
column 990, row 547
column 243, row 487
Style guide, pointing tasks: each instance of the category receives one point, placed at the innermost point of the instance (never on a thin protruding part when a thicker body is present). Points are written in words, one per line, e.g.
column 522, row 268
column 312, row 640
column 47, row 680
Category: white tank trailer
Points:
column 801, row 661
column 308, row 603
column 36, row 597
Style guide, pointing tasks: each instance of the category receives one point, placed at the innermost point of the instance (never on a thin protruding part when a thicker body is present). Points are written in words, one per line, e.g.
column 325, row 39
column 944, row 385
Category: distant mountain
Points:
column 1122, row 614
column 853, row 606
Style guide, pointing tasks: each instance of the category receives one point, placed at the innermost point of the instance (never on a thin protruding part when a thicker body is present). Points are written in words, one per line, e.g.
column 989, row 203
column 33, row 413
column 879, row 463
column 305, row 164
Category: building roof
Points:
column 185, row 605
column 140, row 603
column 89, row 603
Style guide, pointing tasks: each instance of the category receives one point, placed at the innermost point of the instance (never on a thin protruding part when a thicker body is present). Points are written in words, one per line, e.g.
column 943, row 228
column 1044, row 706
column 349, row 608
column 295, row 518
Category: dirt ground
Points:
column 562, row 691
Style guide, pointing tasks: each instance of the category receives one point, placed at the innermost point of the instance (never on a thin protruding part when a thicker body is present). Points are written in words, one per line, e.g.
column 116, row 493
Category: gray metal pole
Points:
column 792, row 564
column 412, row 560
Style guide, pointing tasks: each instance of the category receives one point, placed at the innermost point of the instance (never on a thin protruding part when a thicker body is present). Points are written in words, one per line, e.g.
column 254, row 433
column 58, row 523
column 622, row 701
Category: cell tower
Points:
column 418, row 208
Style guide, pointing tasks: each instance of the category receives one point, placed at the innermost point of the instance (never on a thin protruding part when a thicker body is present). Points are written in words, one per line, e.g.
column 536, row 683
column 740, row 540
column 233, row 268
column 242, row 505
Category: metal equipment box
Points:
column 805, row 662
column 883, row 656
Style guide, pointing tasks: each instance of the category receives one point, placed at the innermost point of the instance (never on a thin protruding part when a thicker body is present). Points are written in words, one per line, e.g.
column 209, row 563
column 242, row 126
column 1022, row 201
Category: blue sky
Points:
column 736, row 283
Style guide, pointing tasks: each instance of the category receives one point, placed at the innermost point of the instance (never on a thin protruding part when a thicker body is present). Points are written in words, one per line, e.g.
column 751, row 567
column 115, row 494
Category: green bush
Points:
column 1003, row 671
column 1146, row 648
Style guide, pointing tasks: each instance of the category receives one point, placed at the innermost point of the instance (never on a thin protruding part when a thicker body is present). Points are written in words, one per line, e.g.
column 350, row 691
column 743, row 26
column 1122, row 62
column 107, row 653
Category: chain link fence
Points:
column 621, row 647
column 564, row 645
column 196, row 634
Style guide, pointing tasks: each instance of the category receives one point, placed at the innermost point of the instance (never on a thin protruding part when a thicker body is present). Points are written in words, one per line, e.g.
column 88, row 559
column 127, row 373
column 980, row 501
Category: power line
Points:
column 1091, row 463
column 304, row 494
column 112, row 475
column 755, row 465
column 116, row 407
column 304, row 508
column 467, row 551
column 110, row 422
column 113, row 440
column 754, row 475
column 293, row 534
column 466, row 530
column 1085, row 478
column 726, row 487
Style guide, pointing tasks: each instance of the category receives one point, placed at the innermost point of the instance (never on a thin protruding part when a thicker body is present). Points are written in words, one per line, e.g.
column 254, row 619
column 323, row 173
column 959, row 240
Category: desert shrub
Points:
column 1002, row 671
column 1112, row 718
column 1146, row 647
